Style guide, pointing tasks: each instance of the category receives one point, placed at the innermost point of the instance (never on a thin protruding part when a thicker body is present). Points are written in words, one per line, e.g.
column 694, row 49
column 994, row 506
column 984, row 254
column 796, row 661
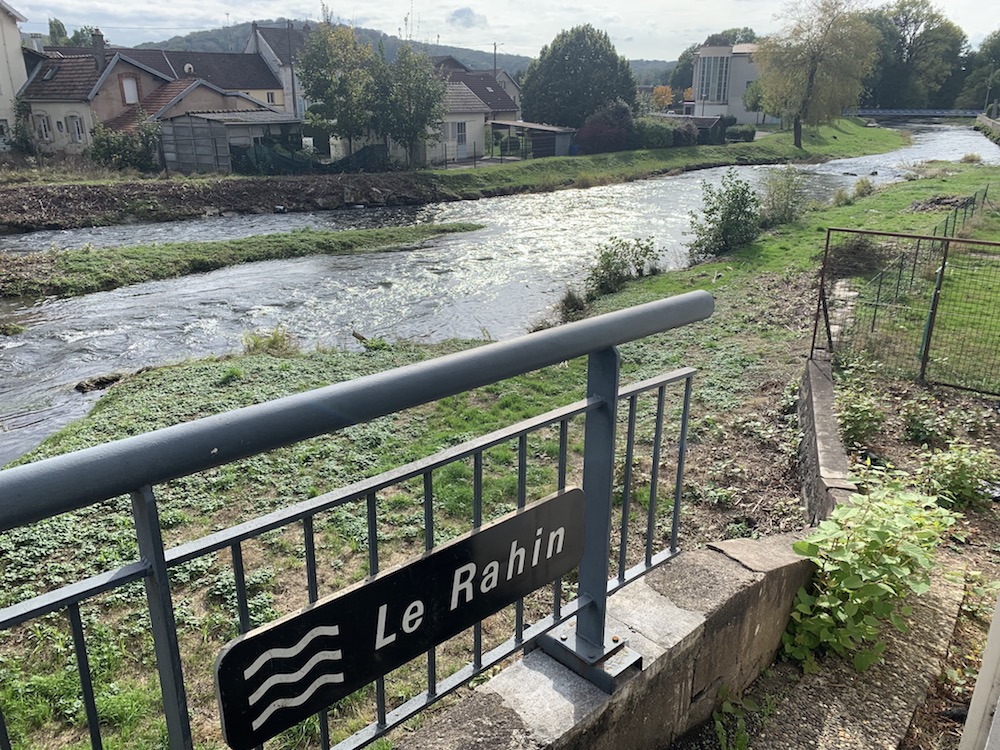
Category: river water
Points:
column 492, row 283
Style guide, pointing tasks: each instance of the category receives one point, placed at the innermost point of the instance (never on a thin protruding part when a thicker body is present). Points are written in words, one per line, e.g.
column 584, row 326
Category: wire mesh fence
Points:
column 922, row 306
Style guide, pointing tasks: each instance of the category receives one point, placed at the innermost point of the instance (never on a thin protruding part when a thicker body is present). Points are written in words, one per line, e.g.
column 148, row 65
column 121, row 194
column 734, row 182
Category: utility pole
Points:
column 989, row 84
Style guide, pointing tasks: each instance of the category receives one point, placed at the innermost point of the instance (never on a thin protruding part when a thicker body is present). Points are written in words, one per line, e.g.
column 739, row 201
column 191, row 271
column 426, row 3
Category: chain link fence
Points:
column 922, row 306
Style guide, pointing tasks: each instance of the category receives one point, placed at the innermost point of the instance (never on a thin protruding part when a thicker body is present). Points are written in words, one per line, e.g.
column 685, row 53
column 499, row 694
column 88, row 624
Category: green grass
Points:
column 76, row 272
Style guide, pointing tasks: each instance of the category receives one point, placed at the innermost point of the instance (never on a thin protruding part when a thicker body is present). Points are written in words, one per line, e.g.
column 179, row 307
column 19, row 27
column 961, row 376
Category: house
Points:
column 69, row 96
column 721, row 77
column 496, row 89
column 12, row 70
column 463, row 130
column 279, row 48
column 214, row 141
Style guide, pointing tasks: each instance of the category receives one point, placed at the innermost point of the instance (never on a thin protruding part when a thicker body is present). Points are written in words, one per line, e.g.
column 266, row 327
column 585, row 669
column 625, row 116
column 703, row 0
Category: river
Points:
column 492, row 283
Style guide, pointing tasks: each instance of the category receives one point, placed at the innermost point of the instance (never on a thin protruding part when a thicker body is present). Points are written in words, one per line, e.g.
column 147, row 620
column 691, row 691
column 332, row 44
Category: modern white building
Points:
column 721, row 77
column 12, row 70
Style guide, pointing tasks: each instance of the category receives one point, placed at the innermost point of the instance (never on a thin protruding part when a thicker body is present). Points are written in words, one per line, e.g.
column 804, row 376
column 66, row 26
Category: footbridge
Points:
column 910, row 113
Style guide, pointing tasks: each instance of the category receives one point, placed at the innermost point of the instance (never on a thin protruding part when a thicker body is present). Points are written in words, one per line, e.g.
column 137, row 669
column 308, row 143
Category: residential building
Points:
column 279, row 48
column 721, row 77
column 69, row 95
column 12, row 70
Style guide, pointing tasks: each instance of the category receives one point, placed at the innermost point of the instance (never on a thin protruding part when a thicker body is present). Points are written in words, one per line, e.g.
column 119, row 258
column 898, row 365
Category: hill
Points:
column 232, row 39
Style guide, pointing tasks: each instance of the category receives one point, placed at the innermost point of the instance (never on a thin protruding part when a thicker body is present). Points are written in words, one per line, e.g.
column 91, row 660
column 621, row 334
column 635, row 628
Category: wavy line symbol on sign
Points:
column 287, row 678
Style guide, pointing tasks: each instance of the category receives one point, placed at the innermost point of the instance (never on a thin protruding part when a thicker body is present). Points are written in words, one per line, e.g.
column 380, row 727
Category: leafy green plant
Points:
column 132, row 149
column 730, row 218
column 859, row 415
column 924, row 424
column 842, row 198
column 870, row 555
column 730, row 720
column 863, row 187
column 619, row 260
column 961, row 475
column 783, row 200
column 277, row 342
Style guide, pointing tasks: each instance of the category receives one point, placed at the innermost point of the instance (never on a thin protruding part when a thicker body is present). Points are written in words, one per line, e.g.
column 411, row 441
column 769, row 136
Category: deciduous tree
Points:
column 575, row 75
column 416, row 100
column 815, row 66
column 663, row 97
column 335, row 72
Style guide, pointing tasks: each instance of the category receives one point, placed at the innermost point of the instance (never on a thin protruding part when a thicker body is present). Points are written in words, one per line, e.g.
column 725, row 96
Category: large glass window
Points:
column 713, row 79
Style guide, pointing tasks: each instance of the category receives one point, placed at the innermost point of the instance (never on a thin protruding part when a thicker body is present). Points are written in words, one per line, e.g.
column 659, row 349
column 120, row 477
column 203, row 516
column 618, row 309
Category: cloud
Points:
column 466, row 18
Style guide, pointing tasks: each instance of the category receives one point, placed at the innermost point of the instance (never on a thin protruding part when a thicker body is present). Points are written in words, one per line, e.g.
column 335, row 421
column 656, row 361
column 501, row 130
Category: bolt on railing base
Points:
column 609, row 667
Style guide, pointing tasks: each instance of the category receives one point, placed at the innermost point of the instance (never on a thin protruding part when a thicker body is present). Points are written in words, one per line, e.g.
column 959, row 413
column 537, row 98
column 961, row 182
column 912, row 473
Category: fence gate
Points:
column 923, row 306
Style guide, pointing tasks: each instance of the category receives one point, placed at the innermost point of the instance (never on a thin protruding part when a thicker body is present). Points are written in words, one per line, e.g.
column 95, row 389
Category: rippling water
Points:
column 493, row 283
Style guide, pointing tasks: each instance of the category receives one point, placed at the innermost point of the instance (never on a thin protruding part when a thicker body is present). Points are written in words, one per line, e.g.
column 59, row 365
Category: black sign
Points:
column 275, row 676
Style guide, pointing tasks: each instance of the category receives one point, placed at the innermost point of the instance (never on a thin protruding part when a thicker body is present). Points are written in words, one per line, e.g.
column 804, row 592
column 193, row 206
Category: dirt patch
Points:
column 937, row 202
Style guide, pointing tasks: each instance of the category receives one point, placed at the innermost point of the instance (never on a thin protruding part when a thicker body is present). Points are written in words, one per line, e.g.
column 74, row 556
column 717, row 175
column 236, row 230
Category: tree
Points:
column 416, row 100
column 575, row 75
column 983, row 75
column 82, row 37
column 57, row 33
column 335, row 72
column 729, row 37
column 682, row 76
column 730, row 219
column 663, row 97
column 814, row 68
column 918, row 50
column 753, row 97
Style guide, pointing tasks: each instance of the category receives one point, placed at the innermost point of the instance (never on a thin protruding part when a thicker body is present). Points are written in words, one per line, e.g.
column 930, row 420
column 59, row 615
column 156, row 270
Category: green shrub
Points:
column 924, row 424
column 870, row 555
column 961, row 475
column 619, row 260
column 730, row 218
column 782, row 201
column 745, row 133
column 277, row 343
column 654, row 132
column 611, row 128
column 859, row 416
column 685, row 134
column 842, row 198
column 132, row 149
column 863, row 187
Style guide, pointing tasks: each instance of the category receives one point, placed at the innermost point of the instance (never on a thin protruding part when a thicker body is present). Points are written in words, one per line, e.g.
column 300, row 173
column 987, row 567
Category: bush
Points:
column 611, row 128
column 962, row 475
column 782, row 201
column 859, row 416
column 728, row 120
column 730, row 218
column 863, row 187
column 870, row 555
column 132, row 149
column 745, row 133
column 685, row 134
column 842, row 198
column 619, row 260
column 654, row 132
column 277, row 343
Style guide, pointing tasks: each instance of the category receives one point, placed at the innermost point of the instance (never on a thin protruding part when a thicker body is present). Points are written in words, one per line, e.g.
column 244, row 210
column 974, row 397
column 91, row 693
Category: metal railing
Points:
column 134, row 466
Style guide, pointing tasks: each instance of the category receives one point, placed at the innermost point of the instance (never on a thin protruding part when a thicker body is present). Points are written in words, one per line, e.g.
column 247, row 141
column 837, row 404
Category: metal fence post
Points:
column 925, row 348
column 586, row 649
column 161, row 617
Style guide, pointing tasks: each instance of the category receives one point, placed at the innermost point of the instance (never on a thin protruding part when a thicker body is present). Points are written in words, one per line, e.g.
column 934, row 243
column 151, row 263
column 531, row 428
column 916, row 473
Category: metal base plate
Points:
column 609, row 667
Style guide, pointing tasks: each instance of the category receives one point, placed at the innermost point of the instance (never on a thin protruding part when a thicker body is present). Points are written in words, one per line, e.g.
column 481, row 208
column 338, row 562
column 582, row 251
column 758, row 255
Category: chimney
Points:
column 253, row 35
column 98, row 40
column 37, row 43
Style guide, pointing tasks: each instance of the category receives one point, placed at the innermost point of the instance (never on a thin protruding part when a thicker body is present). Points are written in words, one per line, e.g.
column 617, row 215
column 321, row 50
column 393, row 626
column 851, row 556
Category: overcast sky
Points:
column 647, row 29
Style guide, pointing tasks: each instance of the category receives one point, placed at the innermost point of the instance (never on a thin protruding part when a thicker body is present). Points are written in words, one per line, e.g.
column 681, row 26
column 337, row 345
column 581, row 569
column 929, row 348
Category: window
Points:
column 460, row 133
column 130, row 89
column 713, row 79
column 74, row 125
column 270, row 97
column 43, row 128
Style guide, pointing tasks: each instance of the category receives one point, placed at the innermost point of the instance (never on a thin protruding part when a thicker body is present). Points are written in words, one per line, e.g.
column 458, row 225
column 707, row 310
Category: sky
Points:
column 639, row 29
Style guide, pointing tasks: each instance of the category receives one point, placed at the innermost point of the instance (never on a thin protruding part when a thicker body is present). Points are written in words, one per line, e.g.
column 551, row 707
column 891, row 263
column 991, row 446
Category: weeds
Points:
column 962, row 475
column 277, row 342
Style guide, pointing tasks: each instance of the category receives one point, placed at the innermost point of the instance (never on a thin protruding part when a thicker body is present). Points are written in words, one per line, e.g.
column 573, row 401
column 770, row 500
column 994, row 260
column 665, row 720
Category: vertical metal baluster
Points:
column 239, row 577
column 312, row 584
column 161, row 619
column 563, row 453
column 429, row 545
column 522, row 499
column 654, row 473
column 681, row 452
column 477, row 521
column 86, row 681
column 4, row 737
column 627, row 491
column 373, row 567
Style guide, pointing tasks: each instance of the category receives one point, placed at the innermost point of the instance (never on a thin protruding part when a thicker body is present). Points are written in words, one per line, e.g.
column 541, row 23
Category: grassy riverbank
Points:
column 741, row 478
column 61, row 202
column 69, row 273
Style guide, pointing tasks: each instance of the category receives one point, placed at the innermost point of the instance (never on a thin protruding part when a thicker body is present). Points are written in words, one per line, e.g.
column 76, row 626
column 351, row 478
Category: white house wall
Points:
column 63, row 137
column 12, row 73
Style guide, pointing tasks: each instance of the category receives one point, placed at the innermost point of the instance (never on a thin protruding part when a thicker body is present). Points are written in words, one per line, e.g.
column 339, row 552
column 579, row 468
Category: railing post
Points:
column 586, row 649
column 161, row 617
column 925, row 348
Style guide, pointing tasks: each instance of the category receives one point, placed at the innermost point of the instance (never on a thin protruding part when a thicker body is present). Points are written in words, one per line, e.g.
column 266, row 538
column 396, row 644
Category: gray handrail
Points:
column 56, row 485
